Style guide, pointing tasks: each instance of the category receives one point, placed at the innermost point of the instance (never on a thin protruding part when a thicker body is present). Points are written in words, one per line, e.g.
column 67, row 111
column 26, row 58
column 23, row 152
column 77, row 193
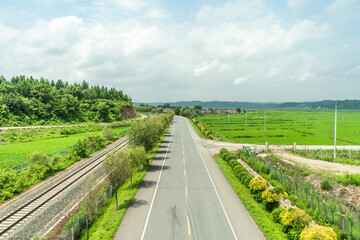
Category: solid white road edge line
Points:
column 157, row 185
column 217, row 194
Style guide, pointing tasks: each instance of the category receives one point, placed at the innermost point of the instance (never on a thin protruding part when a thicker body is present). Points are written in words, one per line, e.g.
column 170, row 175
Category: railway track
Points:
column 13, row 220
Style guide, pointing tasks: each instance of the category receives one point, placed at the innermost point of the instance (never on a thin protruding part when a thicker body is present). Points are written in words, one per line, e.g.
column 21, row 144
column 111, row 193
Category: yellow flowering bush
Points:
column 269, row 196
column 206, row 132
column 315, row 232
column 294, row 217
column 257, row 184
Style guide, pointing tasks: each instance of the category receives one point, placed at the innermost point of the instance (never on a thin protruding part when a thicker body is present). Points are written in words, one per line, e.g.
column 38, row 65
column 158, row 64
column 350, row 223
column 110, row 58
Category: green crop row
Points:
column 305, row 127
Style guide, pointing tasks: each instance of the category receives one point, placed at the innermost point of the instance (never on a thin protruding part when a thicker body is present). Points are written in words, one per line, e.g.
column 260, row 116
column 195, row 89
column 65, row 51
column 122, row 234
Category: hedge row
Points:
column 295, row 221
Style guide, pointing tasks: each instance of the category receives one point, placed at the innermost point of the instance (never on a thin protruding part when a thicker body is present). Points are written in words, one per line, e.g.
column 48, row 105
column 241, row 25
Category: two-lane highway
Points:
column 185, row 196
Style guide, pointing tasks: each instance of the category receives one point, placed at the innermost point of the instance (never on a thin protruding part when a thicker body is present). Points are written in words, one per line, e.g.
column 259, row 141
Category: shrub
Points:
column 271, row 197
column 257, row 184
column 229, row 158
column 223, row 153
column 315, row 232
column 233, row 163
column 276, row 214
column 107, row 134
column 294, row 218
column 325, row 184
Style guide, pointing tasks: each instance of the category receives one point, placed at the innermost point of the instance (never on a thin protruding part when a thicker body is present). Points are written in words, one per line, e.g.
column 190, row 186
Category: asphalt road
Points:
column 185, row 196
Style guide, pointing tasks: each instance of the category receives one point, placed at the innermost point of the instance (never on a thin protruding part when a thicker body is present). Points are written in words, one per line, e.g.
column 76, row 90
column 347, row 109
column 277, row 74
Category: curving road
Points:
column 185, row 196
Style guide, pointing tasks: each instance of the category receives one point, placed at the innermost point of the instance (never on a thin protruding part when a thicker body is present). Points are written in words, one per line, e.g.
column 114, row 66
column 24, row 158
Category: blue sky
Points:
column 161, row 50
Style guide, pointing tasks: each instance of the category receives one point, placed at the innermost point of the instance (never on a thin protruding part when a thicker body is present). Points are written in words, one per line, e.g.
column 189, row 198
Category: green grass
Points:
column 107, row 223
column 15, row 154
column 305, row 127
column 257, row 211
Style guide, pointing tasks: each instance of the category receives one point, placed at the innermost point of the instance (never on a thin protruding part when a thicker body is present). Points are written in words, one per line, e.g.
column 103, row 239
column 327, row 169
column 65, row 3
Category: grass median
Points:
column 257, row 211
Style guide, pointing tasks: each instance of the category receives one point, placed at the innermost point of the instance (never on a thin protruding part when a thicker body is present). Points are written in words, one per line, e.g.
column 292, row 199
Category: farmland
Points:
column 305, row 127
column 47, row 141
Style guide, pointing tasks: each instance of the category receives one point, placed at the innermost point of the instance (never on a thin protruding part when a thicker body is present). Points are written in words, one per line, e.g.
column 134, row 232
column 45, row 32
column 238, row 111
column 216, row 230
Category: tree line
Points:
column 30, row 101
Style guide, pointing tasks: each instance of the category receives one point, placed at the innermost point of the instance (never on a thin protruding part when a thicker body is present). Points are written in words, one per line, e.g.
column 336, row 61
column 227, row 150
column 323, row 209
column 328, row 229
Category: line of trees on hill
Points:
column 29, row 101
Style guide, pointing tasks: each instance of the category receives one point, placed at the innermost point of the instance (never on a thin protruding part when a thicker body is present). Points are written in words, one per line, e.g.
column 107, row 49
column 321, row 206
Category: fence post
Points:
column 343, row 223
column 72, row 233
column 294, row 147
column 325, row 210
column 311, row 200
column 299, row 191
column 289, row 184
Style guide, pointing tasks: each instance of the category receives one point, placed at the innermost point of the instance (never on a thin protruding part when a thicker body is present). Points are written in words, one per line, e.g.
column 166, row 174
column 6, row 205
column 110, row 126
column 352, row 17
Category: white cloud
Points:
column 297, row 5
column 135, row 45
column 353, row 72
column 305, row 76
column 240, row 80
column 273, row 72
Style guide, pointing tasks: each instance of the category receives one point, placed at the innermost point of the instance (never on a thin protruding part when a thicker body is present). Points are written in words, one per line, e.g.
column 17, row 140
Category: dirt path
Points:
column 319, row 164
column 215, row 146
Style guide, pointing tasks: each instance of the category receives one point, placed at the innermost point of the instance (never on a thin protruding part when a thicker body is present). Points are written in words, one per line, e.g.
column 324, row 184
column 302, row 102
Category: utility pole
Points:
column 265, row 125
column 246, row 122
column 335, row 131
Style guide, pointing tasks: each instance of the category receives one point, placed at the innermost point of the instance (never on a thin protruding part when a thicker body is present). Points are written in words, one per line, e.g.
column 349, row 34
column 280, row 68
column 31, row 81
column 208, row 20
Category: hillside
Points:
column 325, row 104
column 29, row 101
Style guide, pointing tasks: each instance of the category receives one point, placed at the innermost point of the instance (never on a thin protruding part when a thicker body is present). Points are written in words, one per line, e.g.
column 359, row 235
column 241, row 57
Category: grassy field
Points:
column 14, row 154
column 305, row 127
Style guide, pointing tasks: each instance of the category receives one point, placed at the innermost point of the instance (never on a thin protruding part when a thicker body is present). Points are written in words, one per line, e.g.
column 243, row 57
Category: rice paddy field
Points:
column 305, row 127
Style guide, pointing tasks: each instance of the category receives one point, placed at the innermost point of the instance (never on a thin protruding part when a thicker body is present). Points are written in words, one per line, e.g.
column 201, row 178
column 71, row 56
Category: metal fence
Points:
column 348, row 225
column 75, row 231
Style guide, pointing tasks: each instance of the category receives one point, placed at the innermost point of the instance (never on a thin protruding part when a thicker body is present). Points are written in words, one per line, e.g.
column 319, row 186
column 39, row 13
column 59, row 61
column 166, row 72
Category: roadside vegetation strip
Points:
column 305, row 127
column 109, row 218
column 303, row 198
column 257, row 211
column 293, row 220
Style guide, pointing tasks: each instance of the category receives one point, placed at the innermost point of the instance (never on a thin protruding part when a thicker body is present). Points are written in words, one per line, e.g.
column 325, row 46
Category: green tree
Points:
column 177, row 110
column 117, row 168
column 198, row 108
column 89, row 204
column 187, row 113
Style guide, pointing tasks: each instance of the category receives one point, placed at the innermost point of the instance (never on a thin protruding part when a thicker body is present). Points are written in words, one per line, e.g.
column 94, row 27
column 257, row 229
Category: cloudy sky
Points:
column 170, row 50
